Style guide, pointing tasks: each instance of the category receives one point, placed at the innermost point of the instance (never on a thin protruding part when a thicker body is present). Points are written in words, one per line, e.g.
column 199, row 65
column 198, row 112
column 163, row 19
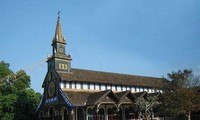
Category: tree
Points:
column 26, row 105
column 11, row 82
column 5, row 74
column 7, row 107
column 146, row 104
column 4, row 68
column 180, row 96
column 22, row 80
column 17, row 100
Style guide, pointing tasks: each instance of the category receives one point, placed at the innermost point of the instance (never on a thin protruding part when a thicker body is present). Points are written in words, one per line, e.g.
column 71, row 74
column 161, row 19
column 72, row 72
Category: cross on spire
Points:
column 58, row 14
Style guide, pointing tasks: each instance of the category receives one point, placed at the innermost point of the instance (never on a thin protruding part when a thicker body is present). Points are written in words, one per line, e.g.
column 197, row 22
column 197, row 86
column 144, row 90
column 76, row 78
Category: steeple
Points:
column 58, row 33
column 60, row 61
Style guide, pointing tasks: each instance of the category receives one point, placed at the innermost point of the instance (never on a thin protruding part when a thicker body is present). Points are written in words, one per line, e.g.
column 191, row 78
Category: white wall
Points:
column 78, row 85
column 62, row 85
column 97, row 87
column 108, row 87
column 85, row 86
column 103, row 87
column 67, row 84
column 92, row 86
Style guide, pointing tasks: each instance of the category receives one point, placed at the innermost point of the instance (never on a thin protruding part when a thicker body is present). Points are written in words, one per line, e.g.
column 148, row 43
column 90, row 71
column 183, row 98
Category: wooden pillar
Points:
column 123, row 112
column 106, row 114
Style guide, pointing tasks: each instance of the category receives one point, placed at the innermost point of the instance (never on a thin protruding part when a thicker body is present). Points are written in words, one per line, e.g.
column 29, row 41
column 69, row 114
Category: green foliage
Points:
column 22, row 80
column 7, row 106
column 11, row 83
column 26, row 105
column 5, row 74
column 4, row 68
column 179, row 96
column 17, row 100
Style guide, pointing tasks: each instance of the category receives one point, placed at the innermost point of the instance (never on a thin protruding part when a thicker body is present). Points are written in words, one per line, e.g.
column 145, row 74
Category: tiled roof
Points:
column 124, row 94
column 94, row 97
column 139, row 94
column 120, row 95
column 78, row 98
column 98, row 97
column 82, row 98
column 89, row 97
column 80, row 75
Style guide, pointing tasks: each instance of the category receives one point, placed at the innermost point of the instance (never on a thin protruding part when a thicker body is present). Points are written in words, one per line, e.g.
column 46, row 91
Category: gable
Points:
column 106, row 96
column 125, row 96
column 51, row 86
column 126, row 99
column 51, row 75
column 108, row 99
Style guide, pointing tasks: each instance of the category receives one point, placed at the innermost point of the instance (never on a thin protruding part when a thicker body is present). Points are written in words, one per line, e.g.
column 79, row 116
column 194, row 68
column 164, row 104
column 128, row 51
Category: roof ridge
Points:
column 107, row 72
column 80, row 90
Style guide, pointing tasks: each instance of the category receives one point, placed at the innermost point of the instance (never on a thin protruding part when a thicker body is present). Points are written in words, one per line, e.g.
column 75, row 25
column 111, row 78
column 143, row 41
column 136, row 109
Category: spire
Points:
column 60, row 60
column 58, row 33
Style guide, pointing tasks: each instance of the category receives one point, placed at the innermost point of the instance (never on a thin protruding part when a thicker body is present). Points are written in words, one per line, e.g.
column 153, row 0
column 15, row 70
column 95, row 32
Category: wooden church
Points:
column 79, row 94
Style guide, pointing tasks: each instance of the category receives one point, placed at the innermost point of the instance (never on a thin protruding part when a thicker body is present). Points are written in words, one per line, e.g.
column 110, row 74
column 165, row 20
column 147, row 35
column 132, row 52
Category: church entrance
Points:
column 52, row 113
column 65, row 114
column 113, row 114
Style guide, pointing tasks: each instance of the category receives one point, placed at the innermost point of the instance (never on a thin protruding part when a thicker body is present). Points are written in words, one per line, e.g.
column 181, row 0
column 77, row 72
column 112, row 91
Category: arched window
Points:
column 52, row 113
column 110, row 114
column 127, row 114
column 65, row 114
column 92, row 114
column 130, row 113
column 80, row 114
column 101, row 114
column 113, row 114
column 41, row 115
column 120, row 116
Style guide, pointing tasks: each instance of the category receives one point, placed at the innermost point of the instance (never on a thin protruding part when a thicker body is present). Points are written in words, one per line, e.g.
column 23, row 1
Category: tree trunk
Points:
column 189, row 115
column 146, row 115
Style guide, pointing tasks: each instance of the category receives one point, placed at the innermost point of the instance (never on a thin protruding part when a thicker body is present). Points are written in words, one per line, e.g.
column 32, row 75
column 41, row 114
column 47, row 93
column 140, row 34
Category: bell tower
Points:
column 60, row 61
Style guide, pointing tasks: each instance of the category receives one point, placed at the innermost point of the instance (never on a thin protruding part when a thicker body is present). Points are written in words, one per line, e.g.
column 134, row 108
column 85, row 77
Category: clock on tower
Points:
column 51, row 89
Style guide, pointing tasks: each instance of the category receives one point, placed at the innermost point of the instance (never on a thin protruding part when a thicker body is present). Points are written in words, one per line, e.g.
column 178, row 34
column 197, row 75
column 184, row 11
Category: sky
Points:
column 138, row 37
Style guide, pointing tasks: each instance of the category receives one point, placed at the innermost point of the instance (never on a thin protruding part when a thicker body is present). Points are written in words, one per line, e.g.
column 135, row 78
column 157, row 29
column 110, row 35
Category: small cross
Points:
column 58, row 14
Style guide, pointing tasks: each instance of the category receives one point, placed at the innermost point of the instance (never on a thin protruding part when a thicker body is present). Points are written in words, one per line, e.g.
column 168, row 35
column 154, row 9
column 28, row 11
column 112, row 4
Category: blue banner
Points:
column 68, row 102
column 51, row 100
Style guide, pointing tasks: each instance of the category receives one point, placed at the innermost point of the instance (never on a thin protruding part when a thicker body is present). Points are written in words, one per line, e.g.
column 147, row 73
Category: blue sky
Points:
column 139, row 37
